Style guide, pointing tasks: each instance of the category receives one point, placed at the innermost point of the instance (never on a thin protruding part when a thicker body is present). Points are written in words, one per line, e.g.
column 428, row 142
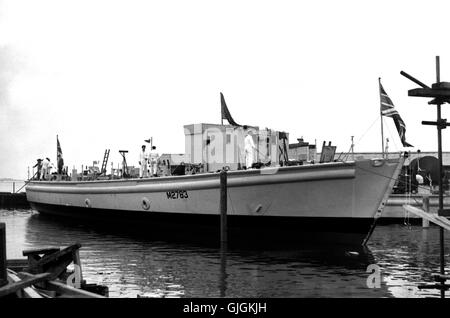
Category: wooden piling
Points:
column 426, row 208
column 3, row 274
column 223, row 208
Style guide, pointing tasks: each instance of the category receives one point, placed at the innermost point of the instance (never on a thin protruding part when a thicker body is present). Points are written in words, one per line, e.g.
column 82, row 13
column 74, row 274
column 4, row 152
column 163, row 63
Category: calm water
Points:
column 131, row 265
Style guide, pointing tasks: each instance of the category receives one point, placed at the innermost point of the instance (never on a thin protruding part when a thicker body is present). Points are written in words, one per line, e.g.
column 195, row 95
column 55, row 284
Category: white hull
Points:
column 346, row 191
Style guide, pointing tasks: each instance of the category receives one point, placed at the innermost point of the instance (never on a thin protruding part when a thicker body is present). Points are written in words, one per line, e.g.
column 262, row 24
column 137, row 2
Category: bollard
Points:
column 426, row 208
column 3, row 277
column 223, row 207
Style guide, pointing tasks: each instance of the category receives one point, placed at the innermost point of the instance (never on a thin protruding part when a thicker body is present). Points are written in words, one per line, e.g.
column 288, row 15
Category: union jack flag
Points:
column 388, row 110
column 59, row 156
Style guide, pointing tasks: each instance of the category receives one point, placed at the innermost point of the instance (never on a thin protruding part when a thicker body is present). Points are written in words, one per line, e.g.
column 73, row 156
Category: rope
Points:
column 376, row 119
column 408, row 196
column 362, row 136
column 406, row 220
column 26, row 182
column 393, row 139
column 382, row 175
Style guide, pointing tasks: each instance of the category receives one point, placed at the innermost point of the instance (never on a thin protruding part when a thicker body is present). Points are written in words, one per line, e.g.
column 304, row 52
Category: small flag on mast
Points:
column 59, row 156
column 388, row 110
column 226, row 113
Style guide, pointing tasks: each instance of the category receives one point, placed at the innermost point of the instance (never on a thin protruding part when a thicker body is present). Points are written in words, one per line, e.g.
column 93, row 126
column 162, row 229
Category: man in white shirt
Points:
column 143, row 163
column 249, row 148
column 153, row 162
column 44, row 175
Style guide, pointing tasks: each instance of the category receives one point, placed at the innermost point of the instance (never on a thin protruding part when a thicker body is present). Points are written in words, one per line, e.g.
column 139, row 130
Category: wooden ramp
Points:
column 432, row 217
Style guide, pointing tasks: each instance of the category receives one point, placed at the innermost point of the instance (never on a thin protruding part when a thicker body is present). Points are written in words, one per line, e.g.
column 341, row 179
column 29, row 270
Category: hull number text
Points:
column 178, row 194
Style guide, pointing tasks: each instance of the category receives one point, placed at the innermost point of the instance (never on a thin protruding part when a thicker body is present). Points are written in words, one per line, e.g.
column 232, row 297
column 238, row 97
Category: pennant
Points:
column 226, row 113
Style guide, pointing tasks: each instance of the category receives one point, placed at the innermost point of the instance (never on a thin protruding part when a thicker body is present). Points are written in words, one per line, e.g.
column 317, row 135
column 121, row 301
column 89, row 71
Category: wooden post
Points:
column 3, row 276
column 426, row 208
column 223, row 207
column 77, row 261
column 223, row 271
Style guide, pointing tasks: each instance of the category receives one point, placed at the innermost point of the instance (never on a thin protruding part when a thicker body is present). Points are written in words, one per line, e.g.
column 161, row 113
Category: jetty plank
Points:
column 43, row 250
column 55, row 263
column 27, row 282
column 26, row 292
column 63, row 290
column 69, row 291
column 17, row 265
column 436, row 219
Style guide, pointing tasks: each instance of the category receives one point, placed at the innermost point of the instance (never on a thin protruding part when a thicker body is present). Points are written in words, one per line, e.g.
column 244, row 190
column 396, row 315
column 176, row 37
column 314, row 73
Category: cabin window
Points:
column 228, row 138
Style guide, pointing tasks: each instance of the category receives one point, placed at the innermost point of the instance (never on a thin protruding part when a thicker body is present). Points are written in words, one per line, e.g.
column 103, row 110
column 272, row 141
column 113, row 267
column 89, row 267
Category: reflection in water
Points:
column 131, row 264
column 408, row 256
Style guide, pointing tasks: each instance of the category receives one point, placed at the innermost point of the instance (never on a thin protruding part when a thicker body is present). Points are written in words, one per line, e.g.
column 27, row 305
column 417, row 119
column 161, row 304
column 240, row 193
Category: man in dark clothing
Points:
column 39, row 167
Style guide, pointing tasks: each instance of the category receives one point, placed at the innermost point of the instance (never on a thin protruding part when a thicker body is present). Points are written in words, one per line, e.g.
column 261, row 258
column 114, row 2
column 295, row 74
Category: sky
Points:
column 109, row 74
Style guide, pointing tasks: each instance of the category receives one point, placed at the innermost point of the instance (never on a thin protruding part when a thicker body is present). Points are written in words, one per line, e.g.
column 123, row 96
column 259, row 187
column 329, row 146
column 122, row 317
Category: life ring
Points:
column 87, row 203
column 145, row 203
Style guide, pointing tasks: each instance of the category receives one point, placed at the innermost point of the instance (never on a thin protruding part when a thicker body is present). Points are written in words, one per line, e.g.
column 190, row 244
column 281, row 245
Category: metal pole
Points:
column 14, row 187
column 223, row 208
column 441, row 197
column 3, row 276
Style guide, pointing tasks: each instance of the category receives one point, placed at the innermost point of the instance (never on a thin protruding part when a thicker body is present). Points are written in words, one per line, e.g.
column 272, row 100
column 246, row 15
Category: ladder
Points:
column 105, row 162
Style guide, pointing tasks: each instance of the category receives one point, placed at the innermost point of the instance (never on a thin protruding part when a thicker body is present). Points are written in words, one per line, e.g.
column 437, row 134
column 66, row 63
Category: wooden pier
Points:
column 9, row 200
column 45, row 274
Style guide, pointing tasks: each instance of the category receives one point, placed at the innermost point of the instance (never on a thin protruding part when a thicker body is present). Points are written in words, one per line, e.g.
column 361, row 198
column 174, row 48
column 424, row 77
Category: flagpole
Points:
column 221, row 109
column 381, row 119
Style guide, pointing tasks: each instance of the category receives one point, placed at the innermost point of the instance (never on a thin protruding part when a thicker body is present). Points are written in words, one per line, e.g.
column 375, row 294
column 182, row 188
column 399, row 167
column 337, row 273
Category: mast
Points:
column 352, row 148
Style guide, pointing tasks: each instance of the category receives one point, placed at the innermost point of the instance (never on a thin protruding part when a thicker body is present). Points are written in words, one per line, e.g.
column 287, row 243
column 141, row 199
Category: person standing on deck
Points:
column 39, row 167
column 45, row 167
column 50, row 167
column 153, row 162
column 249, row 148
column 143, row 163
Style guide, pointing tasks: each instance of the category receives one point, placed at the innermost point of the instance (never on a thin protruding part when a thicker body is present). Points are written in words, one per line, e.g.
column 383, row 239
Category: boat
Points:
column 334, row 202
column 274, row 201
